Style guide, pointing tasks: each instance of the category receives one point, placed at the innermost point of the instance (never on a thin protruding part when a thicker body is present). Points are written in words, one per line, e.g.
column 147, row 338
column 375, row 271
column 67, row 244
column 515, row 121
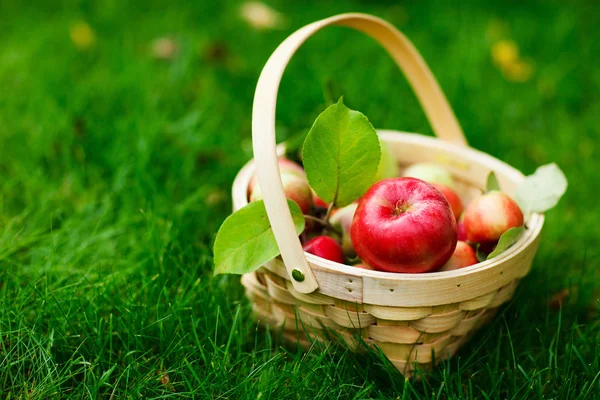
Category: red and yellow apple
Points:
column 460, row 228
column 325, row 247
column 295, row 188
column 463, row 256
column 490, row 215
column 285, row 166
column 341, row 219
column 319, row 203
column 452, row 197
column 404, row 225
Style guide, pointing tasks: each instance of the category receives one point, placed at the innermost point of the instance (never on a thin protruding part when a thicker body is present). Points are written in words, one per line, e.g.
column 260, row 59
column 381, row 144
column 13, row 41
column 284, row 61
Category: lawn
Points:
column 116, row 169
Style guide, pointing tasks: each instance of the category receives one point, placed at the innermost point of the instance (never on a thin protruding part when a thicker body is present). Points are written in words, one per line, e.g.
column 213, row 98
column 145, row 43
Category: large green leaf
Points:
column 507, row 239
column 245, row 241
column 341, row 154
column 542, row 190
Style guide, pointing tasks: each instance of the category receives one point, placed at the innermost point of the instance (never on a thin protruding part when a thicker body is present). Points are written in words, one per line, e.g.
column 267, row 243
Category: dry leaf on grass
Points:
column 261, row 17
column 164, row 48
column 559, row 299
column 82, row 35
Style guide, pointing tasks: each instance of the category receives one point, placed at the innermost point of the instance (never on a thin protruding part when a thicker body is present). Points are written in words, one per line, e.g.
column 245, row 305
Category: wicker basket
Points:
column 413, row 318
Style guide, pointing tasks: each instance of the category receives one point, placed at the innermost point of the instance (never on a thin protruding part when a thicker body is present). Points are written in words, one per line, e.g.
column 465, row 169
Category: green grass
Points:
column 115, row 174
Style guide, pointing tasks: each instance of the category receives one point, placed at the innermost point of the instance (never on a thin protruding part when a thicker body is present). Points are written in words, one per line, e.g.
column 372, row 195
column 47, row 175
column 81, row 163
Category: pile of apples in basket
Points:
column 352, row 204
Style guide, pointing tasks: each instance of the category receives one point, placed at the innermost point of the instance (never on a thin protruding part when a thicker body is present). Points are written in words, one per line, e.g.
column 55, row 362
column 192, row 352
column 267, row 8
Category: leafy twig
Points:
column 323, row 222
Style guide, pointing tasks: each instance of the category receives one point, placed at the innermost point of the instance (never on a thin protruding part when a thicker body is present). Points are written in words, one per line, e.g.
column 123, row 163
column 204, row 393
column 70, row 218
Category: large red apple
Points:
column 295, row 188
column 404, row 225
column 285, row 166
column 463, row 256
column 452, row 197
column 490, row 215
column 326, row 247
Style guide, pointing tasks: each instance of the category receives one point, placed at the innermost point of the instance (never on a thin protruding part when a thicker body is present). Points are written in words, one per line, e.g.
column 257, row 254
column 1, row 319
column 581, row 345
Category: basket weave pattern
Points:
column 404, row 334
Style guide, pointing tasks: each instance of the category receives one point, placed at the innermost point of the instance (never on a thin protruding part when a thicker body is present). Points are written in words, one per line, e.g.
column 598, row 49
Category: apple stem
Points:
column 323, row 222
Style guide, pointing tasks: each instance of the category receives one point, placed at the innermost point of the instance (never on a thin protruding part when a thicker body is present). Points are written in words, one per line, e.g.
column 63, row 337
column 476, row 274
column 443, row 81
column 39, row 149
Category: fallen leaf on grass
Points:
column 558, row 299
column 217, row 52
column 165, row 380
column 82, row 35
column 261, row 17
column 519, row 71
column 215, row 197
column 505, row 52
column 164, row 48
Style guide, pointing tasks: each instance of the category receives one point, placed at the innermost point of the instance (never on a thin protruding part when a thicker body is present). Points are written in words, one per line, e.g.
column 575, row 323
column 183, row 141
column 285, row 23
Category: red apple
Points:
column 295, row 188
column 325, row 247
column 463, row 256
column 404, row 225
column 342, row 220
column 363, row 266
column 285, row 166
column 490, row 215
column 318, row 201
column 453, row 199
column 460, row 227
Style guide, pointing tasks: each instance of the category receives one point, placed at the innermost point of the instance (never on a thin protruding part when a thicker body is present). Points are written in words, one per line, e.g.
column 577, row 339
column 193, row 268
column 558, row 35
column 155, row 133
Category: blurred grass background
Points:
column 123, row 124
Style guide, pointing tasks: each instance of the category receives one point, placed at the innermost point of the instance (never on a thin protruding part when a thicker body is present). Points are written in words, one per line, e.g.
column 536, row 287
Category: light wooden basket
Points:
column 413, row 318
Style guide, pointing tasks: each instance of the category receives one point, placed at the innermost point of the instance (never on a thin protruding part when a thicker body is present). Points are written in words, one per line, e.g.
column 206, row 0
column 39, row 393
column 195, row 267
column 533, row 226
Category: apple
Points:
column 319, row 203
column 460, row 228
column 388, row 165
column 450, row 194
column 404, row 225
column 363, row 266
column 285, row 166
column 490, row 215
column 342, row 220
column 431, row 173
column 325, row 247
column 295, row 188
column 463, row 256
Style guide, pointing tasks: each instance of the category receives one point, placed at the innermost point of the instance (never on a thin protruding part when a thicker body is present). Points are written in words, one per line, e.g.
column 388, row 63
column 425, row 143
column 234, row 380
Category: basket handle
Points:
column 432, row 100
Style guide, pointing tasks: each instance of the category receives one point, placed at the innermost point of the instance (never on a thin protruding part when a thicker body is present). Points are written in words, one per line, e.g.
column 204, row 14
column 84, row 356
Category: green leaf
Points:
column 507, row 239
column 492, row 182
column 542, row 190
column 341, row 154
column 245, row 241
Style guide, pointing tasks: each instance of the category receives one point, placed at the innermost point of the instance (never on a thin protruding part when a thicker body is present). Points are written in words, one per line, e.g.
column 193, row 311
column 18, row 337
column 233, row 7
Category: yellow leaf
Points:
column 82, row 35
column 260, row 16
column 519, row 71
column 505, row 52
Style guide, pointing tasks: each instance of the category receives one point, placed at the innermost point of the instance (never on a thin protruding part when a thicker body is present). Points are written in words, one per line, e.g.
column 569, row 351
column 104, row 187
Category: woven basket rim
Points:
column 534, row 224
